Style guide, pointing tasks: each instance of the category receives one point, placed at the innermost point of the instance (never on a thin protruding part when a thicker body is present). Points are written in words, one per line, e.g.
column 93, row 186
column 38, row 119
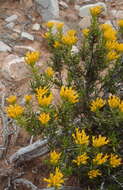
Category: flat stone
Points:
column 10, row 25
column 4, row 47
column 36, row 26
column 85, row 22
column 74, row 50
column 118, row 14
column 63, row 4
column 23, row 49
column 27, row 36
column 85, row 10
column 14, row 68
column 48, row 9
column 11, row 18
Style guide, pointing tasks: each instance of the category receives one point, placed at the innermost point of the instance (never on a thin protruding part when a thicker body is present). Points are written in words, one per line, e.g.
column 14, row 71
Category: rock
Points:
column 85, row 10
column 117, row 14
column 23, row 49
column 11, row 18
column 36, row 27
column 77, row 7
column 63, row 4
column 85, row 22
column 10, row 25
column 4, row 47
column 27, row 36
column 48, row 9
column 2, row 88
column 14, row 68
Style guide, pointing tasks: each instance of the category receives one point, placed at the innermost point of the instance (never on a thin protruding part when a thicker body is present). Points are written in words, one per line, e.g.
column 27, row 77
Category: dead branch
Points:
column 39, row 148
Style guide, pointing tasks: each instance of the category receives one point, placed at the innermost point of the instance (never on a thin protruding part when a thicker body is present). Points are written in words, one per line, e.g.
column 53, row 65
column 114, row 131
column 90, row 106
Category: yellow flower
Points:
column 110, row 34
column 97, row 104
column 14, row 111
column 69, row 94
column 55, row 180
column 45, row 100
column 69, row 38
column 106, row 27
column 82, row 159
column 59, row 26
column 119, row 47
column 80, row 137
column 112, row 55
column 111, row 45
column 85, row 32
column 44, row 118
column 50, row 24
column 11, row 99
column 121, row 106
column 94, row 173
column 95, row 11
column 49, row 71
column 41, row 91
column 113, row 101
column 120, row 23
column 54, row 157
column 27, row 98
column 56, row 44
column 100, row 159
column 32, row 57
column 115, row 161
column 99, row 141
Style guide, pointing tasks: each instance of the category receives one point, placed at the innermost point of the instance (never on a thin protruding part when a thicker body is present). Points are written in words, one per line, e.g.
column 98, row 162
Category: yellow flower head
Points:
column 49, row 72
column 44, row 118
column 11, row 99
column 59, row 26
column 55, row 180
column 120, row 23
column 95, row 11
column 85, row 32
column 112, row 55
column 69, row 38
column 100, row 159
column 41, row 91
column 56, row 44
column 113, row 101
column 45, row 100
column 69, row 94
column 106, row 27
column 111, row 45
column 94, row 173
column 14, row 111
column 119, row 47
column 115, row 161
column 97, row 104
column 110, row 34
column 54, row 157
column 80, row 137
column 27, row 98
column 121, row 106
column 50, row 24
column 32, row 57
column 99, row 141
column 82, row 159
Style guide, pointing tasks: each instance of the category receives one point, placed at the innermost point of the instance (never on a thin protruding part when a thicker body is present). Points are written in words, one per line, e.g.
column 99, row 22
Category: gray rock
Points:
column 14, row 68
column 118, row 14
column 27, row 36
column 48, row 9
column 85, row 22
column 77, row 7
column 63, row 4
column 4, row 47
column 22, row 49
column 11, row 18
column 36, row 27
column 10, row 25
column 85, row 10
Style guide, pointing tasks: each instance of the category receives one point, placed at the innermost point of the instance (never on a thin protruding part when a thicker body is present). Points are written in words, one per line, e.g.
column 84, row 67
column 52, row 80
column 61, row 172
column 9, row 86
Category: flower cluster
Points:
column 32, row 57
column 14, row 111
